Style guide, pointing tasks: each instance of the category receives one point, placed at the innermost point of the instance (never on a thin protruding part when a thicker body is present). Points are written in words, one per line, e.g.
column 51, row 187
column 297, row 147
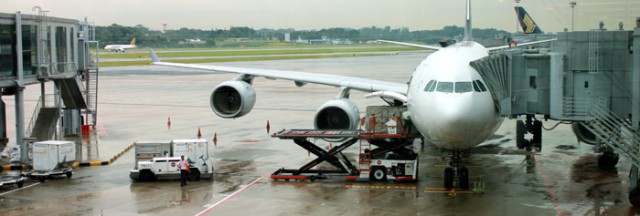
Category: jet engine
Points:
column 583, row 134
column 232, row 99
column 337, row 114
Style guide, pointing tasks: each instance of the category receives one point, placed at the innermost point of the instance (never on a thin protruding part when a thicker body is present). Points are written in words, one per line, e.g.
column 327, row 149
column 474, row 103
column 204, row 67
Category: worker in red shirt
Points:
column 184, row 170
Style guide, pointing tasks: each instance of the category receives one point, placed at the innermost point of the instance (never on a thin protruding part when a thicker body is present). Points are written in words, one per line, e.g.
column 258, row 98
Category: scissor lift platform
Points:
column 343, row 167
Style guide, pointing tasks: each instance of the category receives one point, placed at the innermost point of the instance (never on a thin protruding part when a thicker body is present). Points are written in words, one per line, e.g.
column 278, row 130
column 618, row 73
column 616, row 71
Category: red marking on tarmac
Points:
column 229, row 197
column 548, row 187
column 102, row 130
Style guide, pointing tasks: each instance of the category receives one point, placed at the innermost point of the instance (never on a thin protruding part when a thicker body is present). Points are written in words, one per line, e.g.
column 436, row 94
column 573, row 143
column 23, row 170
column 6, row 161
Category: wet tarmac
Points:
column 136, row 103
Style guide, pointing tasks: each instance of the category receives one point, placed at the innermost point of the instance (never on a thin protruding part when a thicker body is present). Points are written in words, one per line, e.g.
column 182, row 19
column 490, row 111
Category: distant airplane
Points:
column 447, row 99
column 526, row 22
column 121, row 47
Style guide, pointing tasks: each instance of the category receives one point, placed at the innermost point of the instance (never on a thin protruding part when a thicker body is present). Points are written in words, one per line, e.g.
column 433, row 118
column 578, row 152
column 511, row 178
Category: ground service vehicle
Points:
column 147, row 168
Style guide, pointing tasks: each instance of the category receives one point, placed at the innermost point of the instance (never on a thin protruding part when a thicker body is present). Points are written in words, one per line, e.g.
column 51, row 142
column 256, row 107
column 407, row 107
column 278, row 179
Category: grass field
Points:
column 207, row 55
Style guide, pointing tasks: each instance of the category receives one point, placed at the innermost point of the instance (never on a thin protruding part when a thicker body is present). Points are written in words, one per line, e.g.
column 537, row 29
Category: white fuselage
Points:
column 449, row 114
column 119, row 47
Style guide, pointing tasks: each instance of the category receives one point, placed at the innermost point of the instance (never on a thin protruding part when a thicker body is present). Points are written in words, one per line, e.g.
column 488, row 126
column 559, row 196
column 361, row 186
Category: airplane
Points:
column 447, row 100
column 526, row 22
column 121, row 47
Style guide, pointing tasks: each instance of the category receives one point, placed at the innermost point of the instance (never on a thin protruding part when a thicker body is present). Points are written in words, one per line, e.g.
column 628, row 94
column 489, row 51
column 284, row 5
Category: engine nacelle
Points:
column 232, row 99
column 583, row 134
column 337, row 114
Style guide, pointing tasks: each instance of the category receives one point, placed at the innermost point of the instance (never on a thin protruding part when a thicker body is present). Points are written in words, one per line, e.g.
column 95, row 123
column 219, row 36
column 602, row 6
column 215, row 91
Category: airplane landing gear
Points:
column 530, row 125
column 608, row 160
column 634, row 187
column 456, row 171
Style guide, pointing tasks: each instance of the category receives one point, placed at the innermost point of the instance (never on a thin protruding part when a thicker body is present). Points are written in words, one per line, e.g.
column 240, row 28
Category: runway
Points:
column 135, row 103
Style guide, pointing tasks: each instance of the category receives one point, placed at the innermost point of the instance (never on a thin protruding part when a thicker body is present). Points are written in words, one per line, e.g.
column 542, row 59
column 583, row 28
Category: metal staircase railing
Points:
column 594, row 61
column 92, row 62
column 92, row 96
column 614, row 131
column 50, row 101
column 576, row 109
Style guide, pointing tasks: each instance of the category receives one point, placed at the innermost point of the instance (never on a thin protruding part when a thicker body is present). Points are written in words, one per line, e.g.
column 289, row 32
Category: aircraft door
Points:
column 583, row 86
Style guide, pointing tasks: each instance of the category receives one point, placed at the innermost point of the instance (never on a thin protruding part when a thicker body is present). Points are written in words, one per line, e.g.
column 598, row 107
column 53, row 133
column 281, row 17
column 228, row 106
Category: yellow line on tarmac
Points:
column 388, row 187
column 449, row 191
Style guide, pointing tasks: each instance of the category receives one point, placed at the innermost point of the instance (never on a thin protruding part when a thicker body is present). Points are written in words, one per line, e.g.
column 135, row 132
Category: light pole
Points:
column 517, row 15
column 573, row 16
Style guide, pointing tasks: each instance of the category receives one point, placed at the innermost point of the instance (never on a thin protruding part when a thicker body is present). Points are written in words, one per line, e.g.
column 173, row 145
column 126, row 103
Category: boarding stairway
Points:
column 76, row 84
column 91, row 94
column 44, row 119
column 613, row 131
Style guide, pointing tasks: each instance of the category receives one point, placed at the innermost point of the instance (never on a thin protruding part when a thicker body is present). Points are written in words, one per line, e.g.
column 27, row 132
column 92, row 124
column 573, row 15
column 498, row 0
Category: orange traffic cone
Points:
column 268, row 127
column 199, row 133
column 215, row 139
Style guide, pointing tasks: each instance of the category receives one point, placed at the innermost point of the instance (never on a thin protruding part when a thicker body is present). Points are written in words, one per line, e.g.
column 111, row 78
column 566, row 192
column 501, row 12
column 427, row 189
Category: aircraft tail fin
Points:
column 133, row 42
column 467, row 24
column 526, row 22
column 154, row 56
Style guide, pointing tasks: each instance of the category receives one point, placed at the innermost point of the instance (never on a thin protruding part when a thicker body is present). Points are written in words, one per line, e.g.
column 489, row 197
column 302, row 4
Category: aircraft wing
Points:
column 412, row 45
column 520, row 44
column 301, row 78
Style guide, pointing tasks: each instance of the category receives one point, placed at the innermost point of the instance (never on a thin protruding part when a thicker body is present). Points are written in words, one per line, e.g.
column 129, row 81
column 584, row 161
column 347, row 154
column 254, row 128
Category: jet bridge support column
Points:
column 19, row 97
column 634, row 191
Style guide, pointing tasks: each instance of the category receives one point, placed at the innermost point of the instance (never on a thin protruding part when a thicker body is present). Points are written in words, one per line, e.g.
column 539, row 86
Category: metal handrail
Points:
column 616, row 132
column 49, row 98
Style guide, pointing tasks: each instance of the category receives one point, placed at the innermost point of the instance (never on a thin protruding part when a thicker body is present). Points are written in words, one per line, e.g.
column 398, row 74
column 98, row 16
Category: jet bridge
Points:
column 590, row 79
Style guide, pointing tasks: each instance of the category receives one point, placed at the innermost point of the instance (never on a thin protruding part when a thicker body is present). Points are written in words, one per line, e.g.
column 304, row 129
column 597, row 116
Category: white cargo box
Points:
column 52, row 154
column 191, row 148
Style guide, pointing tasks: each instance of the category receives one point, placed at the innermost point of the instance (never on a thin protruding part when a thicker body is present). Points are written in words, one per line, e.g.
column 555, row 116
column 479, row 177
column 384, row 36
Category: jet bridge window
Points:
column 430, row 86
column 446, row 87
column 462, row 87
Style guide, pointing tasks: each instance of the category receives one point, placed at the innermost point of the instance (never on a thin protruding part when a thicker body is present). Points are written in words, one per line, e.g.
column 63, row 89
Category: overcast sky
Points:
column 551, row 15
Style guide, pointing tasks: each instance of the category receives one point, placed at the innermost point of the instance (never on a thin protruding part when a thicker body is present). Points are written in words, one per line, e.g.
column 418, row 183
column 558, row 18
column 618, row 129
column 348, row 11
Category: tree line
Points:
column 145, row 37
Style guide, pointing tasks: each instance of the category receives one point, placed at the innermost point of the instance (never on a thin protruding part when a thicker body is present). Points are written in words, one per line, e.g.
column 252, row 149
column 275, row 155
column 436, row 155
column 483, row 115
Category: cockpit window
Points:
column 446, row 87
column 430, row 85
column 433, row 86
column 475, row 86
column 462, row 87
column 481, row 85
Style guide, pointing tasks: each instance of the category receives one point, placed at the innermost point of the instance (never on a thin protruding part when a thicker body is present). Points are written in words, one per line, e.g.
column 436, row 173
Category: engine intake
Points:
column 232, row 99
column 337, row 114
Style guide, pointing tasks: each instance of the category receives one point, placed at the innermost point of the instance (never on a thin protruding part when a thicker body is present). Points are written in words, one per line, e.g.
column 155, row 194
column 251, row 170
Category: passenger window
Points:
column 481, row 85
column 475, row 86
column 462, row 87
column 446, row 87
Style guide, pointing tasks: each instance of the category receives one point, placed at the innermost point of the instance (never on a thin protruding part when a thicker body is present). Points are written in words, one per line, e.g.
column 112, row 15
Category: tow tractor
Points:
column 159, row 159
column 12, row 177
column 389, row 160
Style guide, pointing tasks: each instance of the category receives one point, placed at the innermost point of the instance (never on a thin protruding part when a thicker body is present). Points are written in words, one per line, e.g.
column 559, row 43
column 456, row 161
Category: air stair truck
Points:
column 53, row 158
column 159, row 160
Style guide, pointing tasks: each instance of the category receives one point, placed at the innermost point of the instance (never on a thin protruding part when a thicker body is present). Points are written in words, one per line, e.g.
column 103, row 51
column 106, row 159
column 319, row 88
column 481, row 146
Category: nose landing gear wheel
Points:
column 464, row 178
column 448, row 178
